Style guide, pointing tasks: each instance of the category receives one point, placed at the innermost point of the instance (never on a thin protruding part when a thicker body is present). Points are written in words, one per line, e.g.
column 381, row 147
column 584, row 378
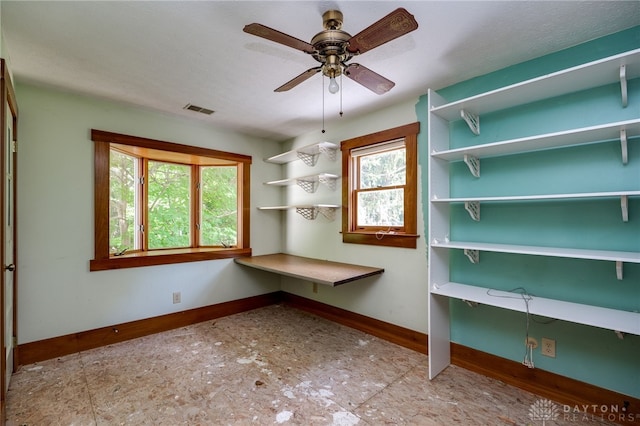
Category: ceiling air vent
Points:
column 197, row 108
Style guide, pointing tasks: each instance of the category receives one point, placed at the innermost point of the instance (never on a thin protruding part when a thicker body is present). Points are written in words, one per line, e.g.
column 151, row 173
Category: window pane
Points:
column 169, row 208
column 381, row 208
column 219, row 217
column 383, row 169
column 122, row 209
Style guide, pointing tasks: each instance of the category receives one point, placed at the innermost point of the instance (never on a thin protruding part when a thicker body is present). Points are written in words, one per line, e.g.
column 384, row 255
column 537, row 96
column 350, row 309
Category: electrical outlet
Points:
column 176, row 297
column 548, row 347
column 531, row 341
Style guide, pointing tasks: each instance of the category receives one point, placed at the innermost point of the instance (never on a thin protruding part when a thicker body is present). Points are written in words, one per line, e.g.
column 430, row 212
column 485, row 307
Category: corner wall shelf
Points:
column 309, row 183
column 308, row 154
column 315, row 270
column 309, row 211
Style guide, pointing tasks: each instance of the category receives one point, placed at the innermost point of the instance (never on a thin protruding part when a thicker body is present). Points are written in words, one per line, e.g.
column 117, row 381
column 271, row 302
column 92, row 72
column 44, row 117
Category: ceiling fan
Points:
column 333, row 48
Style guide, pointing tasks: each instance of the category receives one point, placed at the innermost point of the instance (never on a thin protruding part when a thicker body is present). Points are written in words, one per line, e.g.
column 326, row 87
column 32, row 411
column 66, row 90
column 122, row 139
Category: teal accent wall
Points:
column 588, row 354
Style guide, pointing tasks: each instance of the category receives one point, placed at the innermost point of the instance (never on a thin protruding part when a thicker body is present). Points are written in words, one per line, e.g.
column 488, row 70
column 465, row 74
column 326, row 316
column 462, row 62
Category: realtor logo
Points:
column 544, row 410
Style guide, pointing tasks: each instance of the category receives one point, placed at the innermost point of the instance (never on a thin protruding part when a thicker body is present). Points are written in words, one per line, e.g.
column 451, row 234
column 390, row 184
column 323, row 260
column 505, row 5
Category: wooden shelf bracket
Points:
column 472, row 120
column 473, row 163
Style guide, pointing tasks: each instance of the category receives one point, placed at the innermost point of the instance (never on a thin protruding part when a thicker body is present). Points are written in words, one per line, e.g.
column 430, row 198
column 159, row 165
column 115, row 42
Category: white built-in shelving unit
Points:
column 308, row 155
column 617, row 68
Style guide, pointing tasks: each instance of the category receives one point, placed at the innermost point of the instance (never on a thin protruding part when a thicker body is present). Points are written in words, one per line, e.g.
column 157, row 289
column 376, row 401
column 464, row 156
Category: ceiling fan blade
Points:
column 277, row 36
column 396, row 24
column 299, row 79
column 369, row 79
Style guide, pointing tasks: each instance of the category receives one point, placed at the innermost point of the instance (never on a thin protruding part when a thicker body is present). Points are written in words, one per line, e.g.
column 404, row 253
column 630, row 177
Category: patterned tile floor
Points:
column 274, row 365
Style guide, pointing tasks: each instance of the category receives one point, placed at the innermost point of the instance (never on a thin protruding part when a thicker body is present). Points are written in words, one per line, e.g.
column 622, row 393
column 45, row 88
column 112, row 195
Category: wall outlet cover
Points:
column 548, row 347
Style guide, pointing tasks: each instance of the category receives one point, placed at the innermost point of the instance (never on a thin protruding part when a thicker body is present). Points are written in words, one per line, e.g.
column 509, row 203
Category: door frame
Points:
column 7, row 97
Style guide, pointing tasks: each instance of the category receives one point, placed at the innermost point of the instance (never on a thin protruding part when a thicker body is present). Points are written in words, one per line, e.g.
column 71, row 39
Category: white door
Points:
column 9, row 268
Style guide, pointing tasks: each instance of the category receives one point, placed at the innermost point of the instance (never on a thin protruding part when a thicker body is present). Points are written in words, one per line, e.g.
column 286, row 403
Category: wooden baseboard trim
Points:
column 384, row 330
column 71, row 343
column 563, row 390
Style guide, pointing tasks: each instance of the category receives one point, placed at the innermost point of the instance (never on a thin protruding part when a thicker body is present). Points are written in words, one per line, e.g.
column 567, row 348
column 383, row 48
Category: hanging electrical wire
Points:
column 526, row 297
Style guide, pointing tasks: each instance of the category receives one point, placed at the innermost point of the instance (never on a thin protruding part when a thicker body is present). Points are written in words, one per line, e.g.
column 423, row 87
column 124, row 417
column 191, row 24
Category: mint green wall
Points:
column 58, row 295
column 585, row 353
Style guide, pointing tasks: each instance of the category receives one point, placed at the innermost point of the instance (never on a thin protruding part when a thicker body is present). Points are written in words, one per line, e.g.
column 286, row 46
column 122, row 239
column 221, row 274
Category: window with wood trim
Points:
column 380, row 187
column 159, row 202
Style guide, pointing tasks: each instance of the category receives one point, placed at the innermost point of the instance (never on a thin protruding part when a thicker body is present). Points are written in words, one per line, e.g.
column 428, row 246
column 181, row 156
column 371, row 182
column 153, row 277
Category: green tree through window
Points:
column 159, row 202
column 380, row 186
column 169, row 205
column 122, row 213
column 219, row 214
column 380, row 193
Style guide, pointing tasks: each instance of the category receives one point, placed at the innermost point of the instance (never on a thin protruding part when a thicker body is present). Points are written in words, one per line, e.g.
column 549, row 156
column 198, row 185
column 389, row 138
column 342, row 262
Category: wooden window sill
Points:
column 381, row 239
column 165, row 257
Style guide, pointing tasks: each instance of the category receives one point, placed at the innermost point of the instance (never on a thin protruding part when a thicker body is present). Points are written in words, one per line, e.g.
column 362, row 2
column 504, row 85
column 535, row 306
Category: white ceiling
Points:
column 166, row 54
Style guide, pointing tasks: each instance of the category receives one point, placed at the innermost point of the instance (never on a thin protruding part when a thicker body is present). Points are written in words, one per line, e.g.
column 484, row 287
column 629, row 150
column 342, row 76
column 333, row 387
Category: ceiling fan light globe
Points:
column 333, row 86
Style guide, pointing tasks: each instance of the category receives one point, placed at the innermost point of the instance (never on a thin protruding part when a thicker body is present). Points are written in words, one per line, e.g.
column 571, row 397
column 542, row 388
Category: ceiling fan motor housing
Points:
column 331, row 44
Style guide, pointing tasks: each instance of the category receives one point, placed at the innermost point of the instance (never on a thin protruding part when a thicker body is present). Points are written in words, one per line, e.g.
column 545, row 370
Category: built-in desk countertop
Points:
column 314, row 270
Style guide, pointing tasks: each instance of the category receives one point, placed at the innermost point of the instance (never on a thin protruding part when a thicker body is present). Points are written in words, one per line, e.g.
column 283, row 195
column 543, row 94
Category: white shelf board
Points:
column 276, row 207
column 314, row 149
column 310, row 178
column 608, row 255
column 581, row 77
column 301, row 206
column 611, row 319
column 592, row 134
column 584, row 195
